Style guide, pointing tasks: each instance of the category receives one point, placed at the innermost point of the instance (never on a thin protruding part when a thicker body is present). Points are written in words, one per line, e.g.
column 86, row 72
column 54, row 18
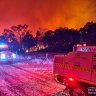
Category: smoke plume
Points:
column 48, row 14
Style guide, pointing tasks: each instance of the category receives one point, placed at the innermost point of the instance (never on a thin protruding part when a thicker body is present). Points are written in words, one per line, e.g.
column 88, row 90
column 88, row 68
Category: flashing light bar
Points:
column 3, row 56
column 3, row 46
column 86, row 49
column 14, row 56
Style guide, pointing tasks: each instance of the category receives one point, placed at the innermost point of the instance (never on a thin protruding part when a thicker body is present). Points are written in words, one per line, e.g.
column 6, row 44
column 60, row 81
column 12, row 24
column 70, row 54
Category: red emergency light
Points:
column 71, row 79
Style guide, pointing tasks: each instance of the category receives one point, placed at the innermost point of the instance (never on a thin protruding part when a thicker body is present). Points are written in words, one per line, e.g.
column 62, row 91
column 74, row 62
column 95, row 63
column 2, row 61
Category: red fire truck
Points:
column 77, row 70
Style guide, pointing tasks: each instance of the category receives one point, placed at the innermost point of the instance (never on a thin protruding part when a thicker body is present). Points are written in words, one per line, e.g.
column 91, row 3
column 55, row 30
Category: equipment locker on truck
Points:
column 77, row 70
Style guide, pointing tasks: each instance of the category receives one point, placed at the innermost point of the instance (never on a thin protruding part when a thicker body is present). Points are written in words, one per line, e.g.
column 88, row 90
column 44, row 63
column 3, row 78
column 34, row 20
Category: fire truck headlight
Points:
column 3, row 56
column 14, row 56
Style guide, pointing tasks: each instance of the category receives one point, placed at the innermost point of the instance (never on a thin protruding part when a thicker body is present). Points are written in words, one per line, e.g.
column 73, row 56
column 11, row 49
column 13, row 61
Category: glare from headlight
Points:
column 14, row 55
column 3, row 56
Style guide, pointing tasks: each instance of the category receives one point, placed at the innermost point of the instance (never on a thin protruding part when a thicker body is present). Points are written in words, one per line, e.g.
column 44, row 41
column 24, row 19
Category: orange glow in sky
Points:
column 48, row 14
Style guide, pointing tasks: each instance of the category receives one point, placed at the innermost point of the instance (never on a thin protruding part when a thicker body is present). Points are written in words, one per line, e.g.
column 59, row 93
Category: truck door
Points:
column 68, row 63
column 94, row 67
column 82, row 65
column 58, row 64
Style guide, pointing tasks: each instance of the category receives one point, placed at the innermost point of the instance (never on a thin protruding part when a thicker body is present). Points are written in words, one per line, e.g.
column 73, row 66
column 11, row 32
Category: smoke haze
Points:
column 48, row 14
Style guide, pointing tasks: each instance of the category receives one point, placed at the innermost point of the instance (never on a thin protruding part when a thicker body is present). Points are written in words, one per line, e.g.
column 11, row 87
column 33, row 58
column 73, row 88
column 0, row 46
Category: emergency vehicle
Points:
column 5, row 55
column 77, row 70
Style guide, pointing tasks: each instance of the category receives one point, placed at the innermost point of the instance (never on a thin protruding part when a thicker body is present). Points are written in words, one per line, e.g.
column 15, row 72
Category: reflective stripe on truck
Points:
column 75, row 67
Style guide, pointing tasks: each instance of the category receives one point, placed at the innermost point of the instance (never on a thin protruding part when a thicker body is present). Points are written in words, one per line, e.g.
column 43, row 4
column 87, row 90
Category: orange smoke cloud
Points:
column 48, row 14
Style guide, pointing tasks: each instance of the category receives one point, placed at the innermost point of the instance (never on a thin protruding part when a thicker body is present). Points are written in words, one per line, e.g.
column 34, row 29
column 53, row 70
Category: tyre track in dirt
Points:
column 10, row 81
column 48, row 84
column 39, row 76
column 14, row 88
column 31, row 77
column 10, row 84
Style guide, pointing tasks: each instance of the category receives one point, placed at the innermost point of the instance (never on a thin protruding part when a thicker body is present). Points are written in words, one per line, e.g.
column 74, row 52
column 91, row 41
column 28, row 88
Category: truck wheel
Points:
column 77, row 91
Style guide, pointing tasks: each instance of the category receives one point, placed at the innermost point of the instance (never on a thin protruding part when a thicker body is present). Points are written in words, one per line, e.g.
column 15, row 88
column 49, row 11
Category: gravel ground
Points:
column 29, row 78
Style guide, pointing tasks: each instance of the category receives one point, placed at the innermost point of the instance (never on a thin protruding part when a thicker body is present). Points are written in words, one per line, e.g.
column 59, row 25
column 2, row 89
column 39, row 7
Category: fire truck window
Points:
column 94, row 56
column 94, row 66
column 66, row 62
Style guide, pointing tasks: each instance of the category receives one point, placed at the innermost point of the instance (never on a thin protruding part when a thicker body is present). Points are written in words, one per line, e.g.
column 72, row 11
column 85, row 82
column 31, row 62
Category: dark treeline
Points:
column 20, row 39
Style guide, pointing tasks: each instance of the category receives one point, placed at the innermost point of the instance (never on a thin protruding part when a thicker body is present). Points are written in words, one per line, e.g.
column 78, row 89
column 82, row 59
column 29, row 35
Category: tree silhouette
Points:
column 64, row 36
column 90, row 28
column 48, row 38
column 28, row 41
column 10, row 39
column 3, row 39
column 20, row 30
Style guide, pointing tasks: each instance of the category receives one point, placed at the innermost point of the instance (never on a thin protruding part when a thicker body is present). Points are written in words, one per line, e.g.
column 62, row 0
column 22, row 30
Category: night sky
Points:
column 48, row 14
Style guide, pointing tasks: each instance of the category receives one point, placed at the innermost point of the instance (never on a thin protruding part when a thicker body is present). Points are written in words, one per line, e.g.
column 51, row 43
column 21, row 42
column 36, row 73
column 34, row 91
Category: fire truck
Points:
column 5, row 55
column 77, row 70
